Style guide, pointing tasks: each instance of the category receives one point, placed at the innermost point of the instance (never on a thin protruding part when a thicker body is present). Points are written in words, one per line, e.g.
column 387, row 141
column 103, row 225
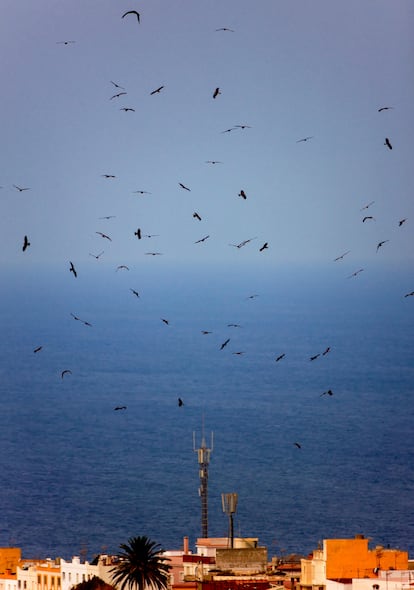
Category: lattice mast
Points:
column 203, row 454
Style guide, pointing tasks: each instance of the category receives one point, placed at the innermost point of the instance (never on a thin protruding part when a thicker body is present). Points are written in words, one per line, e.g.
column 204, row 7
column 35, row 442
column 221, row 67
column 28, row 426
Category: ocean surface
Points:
column 78, row 477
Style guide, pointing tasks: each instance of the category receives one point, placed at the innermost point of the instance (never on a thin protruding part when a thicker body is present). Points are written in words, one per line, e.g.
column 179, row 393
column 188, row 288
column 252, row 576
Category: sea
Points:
column 314, row 449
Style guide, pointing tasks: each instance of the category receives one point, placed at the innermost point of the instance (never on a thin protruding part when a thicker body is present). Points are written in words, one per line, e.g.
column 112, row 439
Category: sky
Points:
column 285, row 70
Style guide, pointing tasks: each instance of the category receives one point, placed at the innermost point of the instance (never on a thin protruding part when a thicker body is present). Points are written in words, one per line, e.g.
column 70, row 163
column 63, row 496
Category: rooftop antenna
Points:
column 203, row 453
column 229, row 504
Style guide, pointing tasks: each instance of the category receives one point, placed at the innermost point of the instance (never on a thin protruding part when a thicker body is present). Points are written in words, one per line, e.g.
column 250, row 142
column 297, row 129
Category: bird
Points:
column 157, row 90
column 242, row 194
column 107, row 217
column 216, row 92
column 252, row 296
column 213, row 162
column 117, row 85
column 20, row 188
column 225, row 29
column 108, row 175
column 388, row 143
column 242, row 127
column 327, row 349
column 315, row 356
column 75, row 317
column 243, row 243
column 205, row 332
column 196, row 216
column 72, row 269
column 305, row 139
column 329, row 392
column 117, row 95
column 103, row 235
column 381, row 244
column 135, row 292
column 367, row 217
column 264, row 247
column 132, row 12
column 116, row 408
column 26, row 243
column 297, row 445
column 409, row 294
column 341, row 256
column 367, row 205
column 233, row 325
column 180, row 402
column 38, row 349
column 224, row 343
column 97, row 256
column 184, row 187
column 401, row 222
column 66, row 372
column 126, row 109
column 122, row 267
column 239, row 353
column 228, row 130
column 64, row 42
column 138, row 233
column 201, row 240
column 153, row 253
column 354, row 274
column 384, row 109
column 280, row 357
column 165, row 321
column 141, row 192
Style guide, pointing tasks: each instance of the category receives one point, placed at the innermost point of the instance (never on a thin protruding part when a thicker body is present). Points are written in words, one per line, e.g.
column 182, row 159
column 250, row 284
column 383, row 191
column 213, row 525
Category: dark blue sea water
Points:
column 77, row 475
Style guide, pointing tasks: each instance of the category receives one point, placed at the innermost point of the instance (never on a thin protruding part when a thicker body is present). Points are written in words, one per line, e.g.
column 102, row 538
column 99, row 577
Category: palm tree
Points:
column 141, row 565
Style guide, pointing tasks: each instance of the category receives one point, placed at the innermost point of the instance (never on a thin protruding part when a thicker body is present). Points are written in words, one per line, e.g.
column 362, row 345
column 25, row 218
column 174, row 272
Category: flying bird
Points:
column 132, row 12
column 117, row 85
column 138, row 233
column 108, row 175
column 196, row 216
column 297, row 445
column 381, row 244
column 64, row 42
column 21, row 189
column 315, row 356
column 135, row 292
column 388, row 143
column 216, row 92
column 233, row 325
column 225, row 29
column 108, row 217
column 401, row 222
column 409, row 294
column 329, row 392
column 117, row 95
column 122, row 267
column 119, row 408
column 97, row 256
column 242, row 126
column 165, row 321
column 75, row 317
column 264, row 247
column 26, row 243
column 213, row 162
column 341, row 256
column 242, row 243
column 201, row 240
column 72, row 269
column 184, row 187
column 157, row 90
column 180, row 402
column 206, row 332
column 153, row 253
column 66, row 372
column 327, row 349
column 384, row 109
column 239, row 353
column 38, row 349
column 142, row 192
column 242, row 194
column 224, row 343
column 103, row 235
column 126, row 109
column 368, row 217
column 280, row 357
column 305, row 138
column 354, row 274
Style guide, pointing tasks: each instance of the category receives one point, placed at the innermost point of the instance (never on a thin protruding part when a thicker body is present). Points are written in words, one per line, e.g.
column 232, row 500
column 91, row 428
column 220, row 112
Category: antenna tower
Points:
column 203, row 454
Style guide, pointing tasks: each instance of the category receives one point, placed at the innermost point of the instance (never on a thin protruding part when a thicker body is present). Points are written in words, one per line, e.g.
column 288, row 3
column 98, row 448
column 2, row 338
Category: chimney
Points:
column 185, row 545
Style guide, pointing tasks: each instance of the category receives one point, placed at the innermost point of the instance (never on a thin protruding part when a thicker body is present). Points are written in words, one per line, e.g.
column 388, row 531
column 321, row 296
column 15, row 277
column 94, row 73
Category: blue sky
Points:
column 288, row 70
